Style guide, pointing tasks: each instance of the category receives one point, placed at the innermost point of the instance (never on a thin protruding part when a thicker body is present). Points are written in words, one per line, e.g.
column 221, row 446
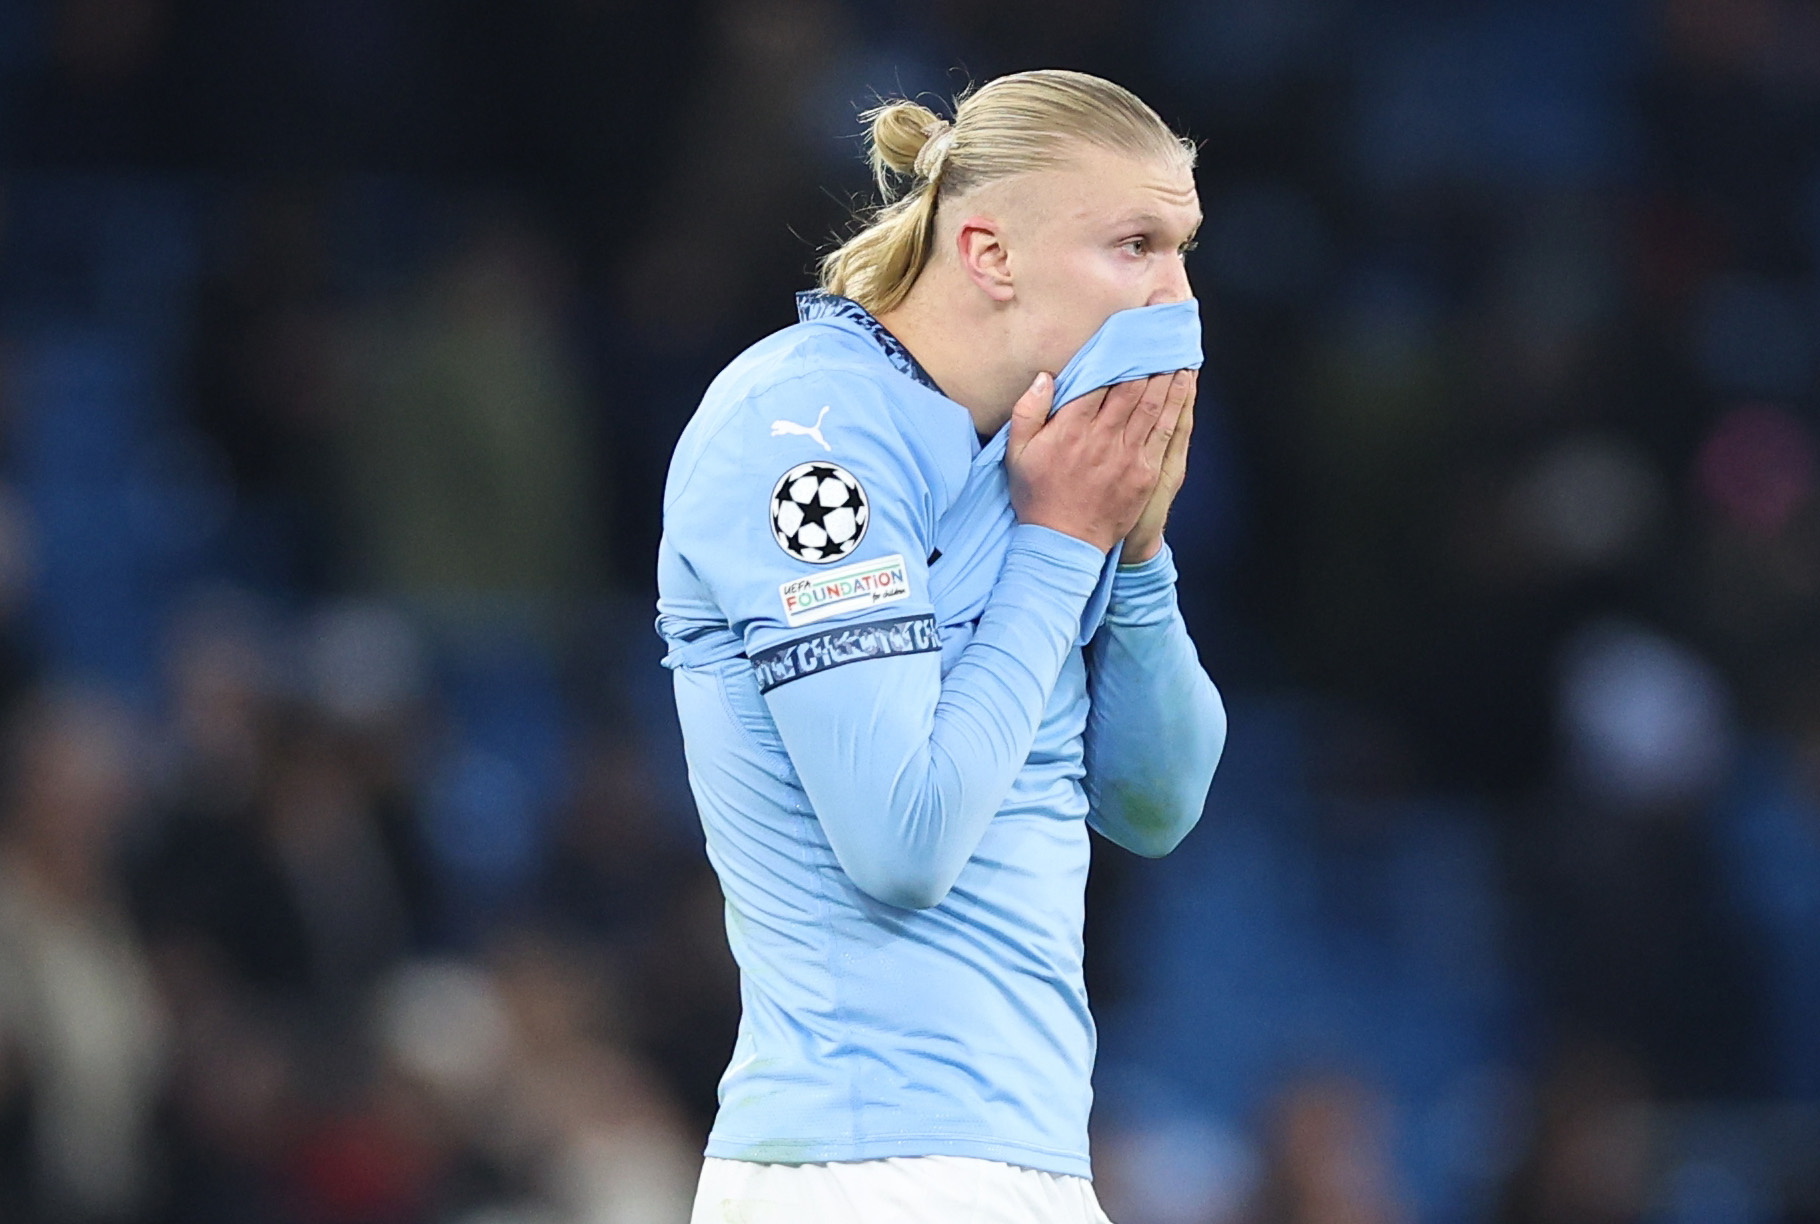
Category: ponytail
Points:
column 877, row 266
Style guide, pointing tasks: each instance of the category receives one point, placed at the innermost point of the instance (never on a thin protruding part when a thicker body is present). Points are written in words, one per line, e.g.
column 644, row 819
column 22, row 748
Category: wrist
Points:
column 1141, row 549
column 1073, row 532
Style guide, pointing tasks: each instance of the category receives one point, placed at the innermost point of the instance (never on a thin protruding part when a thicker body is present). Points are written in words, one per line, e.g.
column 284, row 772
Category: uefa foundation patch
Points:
column 848, row 589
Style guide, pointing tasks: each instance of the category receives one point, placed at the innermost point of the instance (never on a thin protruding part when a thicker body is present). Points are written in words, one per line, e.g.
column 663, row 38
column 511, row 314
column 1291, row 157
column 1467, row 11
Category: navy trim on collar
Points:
column 816, row 304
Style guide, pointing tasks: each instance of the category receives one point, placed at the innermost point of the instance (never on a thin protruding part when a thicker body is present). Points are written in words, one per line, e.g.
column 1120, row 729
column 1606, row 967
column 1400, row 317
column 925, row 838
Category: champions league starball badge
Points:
column 818, row 512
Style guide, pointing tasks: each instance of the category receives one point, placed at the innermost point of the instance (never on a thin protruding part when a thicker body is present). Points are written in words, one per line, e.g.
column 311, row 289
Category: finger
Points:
column 1121, row 401
column 1084, row 407
column 1149, row 408
column 1029, row 413
column 1176, row 395
column 1175, row 459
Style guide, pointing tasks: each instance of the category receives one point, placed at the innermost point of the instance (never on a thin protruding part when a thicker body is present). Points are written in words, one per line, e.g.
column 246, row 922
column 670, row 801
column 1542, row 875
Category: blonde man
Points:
column 924, row 635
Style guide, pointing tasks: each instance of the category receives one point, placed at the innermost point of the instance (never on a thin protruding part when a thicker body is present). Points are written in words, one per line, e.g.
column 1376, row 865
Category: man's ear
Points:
column 979, row 243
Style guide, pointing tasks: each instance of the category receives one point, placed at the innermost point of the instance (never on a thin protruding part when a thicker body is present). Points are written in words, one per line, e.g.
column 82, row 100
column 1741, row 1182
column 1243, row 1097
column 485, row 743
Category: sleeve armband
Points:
column 845, row 644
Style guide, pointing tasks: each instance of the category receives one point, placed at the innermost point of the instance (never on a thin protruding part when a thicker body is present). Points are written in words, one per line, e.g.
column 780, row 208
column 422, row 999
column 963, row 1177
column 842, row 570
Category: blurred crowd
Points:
column 348, row 873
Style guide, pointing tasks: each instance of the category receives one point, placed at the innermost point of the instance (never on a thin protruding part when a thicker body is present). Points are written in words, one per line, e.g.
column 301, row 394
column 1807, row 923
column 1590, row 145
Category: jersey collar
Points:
column 817, row 304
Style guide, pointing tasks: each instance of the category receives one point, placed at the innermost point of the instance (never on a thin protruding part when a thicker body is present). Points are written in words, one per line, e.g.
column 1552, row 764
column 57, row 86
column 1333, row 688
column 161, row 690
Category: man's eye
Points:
column 1135, row 245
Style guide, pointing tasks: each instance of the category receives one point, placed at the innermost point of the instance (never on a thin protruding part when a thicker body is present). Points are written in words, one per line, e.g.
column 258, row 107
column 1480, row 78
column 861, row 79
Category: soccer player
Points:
column 924, row 634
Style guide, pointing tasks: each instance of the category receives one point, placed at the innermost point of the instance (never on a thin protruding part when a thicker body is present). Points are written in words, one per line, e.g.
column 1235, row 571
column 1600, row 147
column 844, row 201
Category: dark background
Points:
column 348, row 873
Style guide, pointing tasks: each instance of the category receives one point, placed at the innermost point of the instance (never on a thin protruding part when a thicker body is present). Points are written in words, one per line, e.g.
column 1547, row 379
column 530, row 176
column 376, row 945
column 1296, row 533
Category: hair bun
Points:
column 901, row 134
column 938, row 136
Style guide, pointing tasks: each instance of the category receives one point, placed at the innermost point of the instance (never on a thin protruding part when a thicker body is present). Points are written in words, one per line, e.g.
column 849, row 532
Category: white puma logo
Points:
column 780, row 428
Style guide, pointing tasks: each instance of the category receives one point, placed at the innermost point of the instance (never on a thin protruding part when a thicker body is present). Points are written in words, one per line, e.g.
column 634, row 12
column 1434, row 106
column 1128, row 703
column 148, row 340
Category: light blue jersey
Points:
column 902, row 709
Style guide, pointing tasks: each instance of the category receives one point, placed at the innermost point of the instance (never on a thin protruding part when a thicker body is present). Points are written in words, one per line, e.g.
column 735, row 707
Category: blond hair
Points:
column 1024, row 122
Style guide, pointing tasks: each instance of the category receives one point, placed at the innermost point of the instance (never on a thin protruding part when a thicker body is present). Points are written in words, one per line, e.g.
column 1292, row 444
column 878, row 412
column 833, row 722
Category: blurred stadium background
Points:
column 347, row 869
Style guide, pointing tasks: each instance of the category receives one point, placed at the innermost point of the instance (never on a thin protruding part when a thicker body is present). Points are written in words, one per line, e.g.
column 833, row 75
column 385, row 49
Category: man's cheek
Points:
column 1105, row 283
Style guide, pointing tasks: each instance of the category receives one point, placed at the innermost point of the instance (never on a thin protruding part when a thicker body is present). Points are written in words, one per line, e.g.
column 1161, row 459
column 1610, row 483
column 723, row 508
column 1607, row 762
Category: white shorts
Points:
column 896, row 1190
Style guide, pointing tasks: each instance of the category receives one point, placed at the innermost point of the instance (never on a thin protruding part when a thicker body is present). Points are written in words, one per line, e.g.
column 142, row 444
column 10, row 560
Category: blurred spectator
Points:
column 1328, row 1157
column 607, row 1138
column 262, row 375
column 80, row 1023
column 619, row 878
column 1635, row 939
column 280, row 863
column 463, row 437
column 1589, row 1157
column 613, row 860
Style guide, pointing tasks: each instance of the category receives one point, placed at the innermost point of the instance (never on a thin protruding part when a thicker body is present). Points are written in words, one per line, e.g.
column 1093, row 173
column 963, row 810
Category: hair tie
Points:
column 938, row 135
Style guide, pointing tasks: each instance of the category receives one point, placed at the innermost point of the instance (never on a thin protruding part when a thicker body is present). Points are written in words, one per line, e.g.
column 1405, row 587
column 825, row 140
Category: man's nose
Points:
column 1171, row 285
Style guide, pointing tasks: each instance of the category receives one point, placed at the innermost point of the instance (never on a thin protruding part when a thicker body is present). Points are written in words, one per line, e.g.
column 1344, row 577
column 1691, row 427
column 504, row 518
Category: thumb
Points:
column 1030, row 411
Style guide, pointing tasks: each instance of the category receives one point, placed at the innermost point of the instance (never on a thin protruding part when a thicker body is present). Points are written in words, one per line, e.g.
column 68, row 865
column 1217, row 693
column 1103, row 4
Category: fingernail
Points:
column 1042, row 377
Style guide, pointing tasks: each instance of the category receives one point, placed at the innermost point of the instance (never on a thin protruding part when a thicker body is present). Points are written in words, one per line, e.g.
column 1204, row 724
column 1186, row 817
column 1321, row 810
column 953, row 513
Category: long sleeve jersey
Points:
column 901, row 711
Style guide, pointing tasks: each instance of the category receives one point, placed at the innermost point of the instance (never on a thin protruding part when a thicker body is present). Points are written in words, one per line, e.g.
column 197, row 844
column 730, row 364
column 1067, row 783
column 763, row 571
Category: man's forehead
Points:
column 1101, row 188
column 1116, row 189
column 1142, row 207
column 1172, row 212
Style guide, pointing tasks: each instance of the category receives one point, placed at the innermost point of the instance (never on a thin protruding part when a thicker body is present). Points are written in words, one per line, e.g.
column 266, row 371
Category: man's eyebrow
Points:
column 1153, row 219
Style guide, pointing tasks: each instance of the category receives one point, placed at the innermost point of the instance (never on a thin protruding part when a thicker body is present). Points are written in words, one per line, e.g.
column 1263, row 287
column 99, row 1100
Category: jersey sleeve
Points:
column 1156, row 727
column 903, row 766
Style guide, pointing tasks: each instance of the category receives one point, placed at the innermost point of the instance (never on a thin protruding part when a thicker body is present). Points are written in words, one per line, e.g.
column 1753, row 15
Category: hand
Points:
column 1145, row 538
column 1090, row 470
